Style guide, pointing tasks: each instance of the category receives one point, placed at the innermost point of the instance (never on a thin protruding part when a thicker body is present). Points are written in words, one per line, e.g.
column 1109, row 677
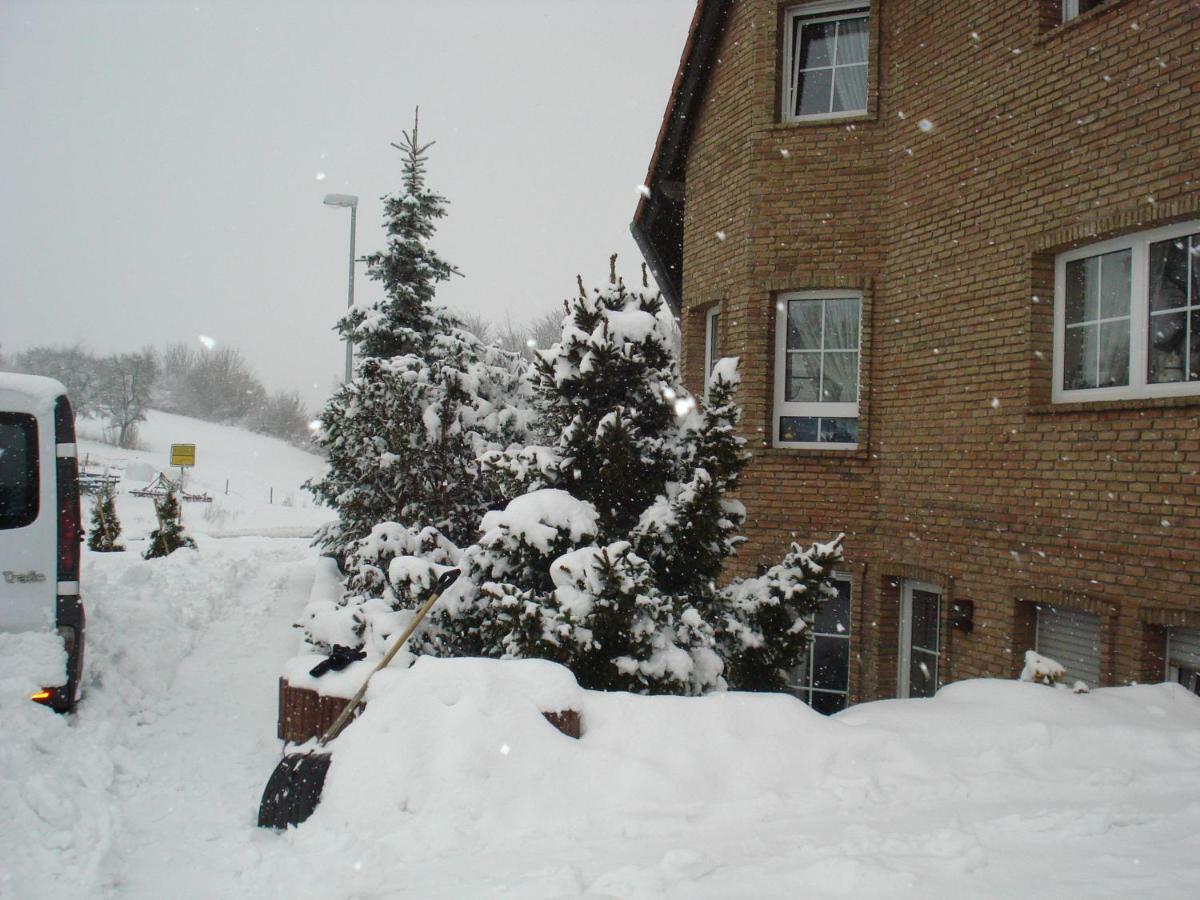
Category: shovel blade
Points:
column 293, row 790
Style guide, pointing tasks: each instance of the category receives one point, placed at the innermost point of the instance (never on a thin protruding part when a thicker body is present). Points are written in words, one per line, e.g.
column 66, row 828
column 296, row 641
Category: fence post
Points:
column 272, row 496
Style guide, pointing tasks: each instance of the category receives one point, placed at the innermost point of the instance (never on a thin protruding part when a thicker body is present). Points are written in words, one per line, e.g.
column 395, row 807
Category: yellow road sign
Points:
column 183, row 454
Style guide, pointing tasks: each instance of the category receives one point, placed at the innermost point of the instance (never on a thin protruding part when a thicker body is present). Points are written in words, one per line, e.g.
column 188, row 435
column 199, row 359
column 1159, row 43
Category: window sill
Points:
column 1131, row 403
column 806, row 454
column 823, row 122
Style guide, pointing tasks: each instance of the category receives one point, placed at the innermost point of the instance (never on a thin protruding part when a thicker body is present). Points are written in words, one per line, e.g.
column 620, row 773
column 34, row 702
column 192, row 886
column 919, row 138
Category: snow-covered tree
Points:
column 409, row 270
column 169, row 536
column 105, row 535
column 403, row 437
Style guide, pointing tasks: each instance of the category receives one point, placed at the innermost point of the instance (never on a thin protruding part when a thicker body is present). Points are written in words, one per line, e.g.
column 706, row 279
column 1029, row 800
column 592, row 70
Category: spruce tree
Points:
column 105, row 536
column 408, row 269
column 404, row 436
column 169, row 535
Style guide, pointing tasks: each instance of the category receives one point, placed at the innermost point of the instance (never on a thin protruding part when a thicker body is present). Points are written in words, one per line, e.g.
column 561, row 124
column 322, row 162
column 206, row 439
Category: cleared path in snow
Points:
column 185, row 656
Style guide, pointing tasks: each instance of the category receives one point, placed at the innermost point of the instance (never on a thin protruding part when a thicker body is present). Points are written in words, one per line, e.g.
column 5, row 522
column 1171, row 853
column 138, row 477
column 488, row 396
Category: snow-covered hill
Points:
column 254, row 480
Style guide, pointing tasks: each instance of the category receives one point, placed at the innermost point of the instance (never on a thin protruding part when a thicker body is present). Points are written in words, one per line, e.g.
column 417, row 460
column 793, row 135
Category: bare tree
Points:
column 74, row 366
column 124, row 392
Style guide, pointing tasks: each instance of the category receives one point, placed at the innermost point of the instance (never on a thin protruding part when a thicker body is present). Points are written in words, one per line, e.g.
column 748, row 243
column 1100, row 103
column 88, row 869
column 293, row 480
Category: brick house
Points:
column 956, row 246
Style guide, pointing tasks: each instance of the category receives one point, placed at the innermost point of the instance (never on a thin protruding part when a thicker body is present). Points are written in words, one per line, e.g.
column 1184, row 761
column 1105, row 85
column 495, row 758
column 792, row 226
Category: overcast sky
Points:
column 164, row 163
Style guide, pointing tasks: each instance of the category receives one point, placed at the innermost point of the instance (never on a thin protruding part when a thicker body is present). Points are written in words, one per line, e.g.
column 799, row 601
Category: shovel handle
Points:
column 446, row 579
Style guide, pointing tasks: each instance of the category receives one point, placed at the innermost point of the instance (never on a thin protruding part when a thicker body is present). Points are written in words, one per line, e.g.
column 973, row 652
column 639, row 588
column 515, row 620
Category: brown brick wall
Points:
column 1044, row 136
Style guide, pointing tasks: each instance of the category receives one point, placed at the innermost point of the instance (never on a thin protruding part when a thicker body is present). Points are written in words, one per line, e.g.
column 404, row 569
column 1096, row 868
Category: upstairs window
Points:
column 825, row 61
column 1127, row 317
column 816, row 370
column 1074, row 8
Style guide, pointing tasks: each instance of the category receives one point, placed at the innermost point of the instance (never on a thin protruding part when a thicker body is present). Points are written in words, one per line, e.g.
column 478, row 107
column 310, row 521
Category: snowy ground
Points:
column 452, row 784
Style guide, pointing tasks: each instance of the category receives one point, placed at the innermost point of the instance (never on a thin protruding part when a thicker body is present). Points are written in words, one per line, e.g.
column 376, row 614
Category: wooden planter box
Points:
column 305, row 714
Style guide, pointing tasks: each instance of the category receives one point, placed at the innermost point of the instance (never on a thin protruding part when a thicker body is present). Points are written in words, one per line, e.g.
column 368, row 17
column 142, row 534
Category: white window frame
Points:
column 810, row 408
column 1139, row 319
column 904, row 671
column 712, row 319
column 826, row 11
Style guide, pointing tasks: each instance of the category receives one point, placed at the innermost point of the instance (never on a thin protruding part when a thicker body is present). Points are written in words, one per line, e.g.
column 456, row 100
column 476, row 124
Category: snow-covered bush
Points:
column 169, row 535
column 1044, row 670
column 105, row 534
column 763, row 630
column 609, row 560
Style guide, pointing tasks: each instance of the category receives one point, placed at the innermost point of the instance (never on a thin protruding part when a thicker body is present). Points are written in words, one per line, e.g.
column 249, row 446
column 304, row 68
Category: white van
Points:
column 40, row 528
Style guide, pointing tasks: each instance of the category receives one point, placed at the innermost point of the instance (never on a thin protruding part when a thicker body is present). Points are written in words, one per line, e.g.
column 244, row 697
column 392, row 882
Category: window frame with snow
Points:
column 793, row 76
column 819, row 409
column 808, row 681
column 1141, row 301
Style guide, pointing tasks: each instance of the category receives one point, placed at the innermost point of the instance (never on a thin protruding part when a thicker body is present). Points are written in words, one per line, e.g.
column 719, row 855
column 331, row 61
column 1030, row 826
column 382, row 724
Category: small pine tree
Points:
column 105, row 536
column 169, row 536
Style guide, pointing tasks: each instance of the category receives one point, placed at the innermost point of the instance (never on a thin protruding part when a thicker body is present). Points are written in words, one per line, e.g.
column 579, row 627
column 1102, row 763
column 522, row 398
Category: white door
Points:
column 920, row 637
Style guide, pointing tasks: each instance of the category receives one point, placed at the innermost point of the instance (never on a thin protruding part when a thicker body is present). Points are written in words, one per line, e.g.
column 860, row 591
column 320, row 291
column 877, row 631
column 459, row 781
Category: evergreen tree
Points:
column 169, row 535
column 408, row 269
column 403, row 438
column 105, row 536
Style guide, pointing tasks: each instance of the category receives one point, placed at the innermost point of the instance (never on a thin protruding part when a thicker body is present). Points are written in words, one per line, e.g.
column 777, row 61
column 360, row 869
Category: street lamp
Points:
column 351, row 201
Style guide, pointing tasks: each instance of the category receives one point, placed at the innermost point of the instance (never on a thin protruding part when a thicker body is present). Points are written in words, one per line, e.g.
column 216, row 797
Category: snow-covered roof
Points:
column 36, row 391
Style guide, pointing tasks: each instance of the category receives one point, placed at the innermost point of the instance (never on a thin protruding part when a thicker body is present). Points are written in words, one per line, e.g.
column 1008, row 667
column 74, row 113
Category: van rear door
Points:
column 28, row 521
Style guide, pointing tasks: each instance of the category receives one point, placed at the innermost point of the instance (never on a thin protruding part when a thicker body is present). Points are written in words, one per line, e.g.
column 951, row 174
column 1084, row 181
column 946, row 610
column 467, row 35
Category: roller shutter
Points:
column 1073, row 639
column 1183, row 648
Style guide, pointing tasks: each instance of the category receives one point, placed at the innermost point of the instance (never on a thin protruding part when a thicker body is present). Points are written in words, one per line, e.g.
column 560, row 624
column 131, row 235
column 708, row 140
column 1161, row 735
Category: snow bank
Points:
column 992, row 787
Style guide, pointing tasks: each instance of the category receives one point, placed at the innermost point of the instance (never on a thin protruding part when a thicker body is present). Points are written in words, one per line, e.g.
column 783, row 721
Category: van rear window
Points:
column 18, row 470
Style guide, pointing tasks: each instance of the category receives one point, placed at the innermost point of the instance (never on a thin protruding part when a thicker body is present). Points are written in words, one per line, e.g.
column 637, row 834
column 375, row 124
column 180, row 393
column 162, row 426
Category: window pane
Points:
column 839, row 431
column 1168, row 332
column 713, row 323
column 1079, row 357
column 828, row 704
column 798, row 428
column 816, row 44
column 1194, row 354
column 1169, row 274
column 813, row 94
column 1082, row 289
column 833, row 617
column 849, row 88
column 804, row 325
column 1114, row 284
column 803, row 378
column 925, row 619
column 852, row 41
column 922, row 674
column 840, row 381
column 841, row 324
column 831, row 663
column 1195, row 257
column 18, row 470
column 1114, row 354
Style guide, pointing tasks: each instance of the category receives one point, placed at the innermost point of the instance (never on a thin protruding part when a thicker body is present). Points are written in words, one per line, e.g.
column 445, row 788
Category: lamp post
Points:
column 351, row 201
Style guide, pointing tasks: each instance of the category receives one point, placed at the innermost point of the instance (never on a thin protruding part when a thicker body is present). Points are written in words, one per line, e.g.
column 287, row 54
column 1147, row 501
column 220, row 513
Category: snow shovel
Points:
column 294, row 788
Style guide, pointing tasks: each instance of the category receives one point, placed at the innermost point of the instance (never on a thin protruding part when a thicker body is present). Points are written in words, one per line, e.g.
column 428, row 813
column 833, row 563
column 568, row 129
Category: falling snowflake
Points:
column 643, row 190
column 320, row 176
column 208, row 342
column 995, row 403
column 925, row 125
column 720, row 235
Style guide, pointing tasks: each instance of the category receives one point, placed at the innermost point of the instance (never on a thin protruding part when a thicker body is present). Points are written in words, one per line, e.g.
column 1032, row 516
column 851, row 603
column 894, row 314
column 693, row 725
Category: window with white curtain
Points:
column 825, row 61
column 1127, row 317
column 817, row 352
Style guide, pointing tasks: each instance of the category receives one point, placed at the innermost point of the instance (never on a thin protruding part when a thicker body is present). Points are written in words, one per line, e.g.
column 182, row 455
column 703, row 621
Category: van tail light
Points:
column 41, row 696
column 70, row 525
